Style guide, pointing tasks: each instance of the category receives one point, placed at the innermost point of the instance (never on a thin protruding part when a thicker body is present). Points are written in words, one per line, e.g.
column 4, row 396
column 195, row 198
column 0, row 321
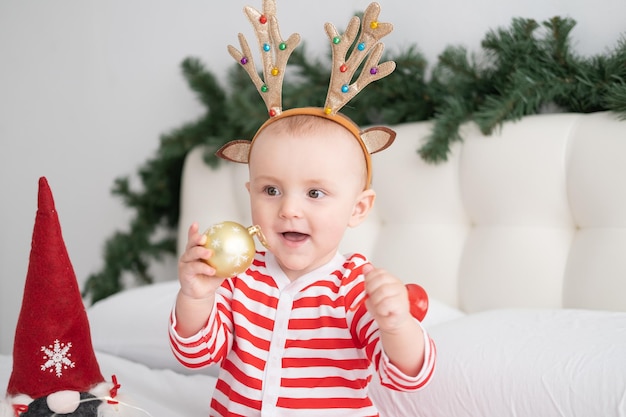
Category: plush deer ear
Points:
column 235, row 151
column 377, row 138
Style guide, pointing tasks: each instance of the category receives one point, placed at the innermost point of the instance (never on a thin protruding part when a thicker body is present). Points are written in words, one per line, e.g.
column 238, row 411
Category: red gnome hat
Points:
column 52, row 350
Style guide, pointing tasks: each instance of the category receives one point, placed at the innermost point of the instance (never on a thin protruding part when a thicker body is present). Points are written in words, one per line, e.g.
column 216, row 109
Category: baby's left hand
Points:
column 387, row 299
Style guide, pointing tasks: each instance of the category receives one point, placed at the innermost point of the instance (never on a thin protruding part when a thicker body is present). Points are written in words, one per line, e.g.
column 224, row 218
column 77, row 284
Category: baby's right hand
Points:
column 197, row 278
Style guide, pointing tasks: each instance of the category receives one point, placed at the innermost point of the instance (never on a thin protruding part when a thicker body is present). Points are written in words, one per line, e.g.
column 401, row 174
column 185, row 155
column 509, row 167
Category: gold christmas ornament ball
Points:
column 233, row 247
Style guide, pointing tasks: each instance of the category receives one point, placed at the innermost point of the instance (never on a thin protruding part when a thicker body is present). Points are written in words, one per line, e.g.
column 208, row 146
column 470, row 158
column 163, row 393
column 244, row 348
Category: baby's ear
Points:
column 362, row 207
column 377, row 138
column 235, row 151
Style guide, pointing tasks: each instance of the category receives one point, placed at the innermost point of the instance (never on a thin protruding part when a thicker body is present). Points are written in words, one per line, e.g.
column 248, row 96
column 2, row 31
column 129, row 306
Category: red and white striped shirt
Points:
column 288, row 346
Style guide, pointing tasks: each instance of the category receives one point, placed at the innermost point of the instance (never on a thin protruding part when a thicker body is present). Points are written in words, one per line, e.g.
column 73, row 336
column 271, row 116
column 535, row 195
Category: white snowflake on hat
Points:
column 55, row 370
column 57, row 357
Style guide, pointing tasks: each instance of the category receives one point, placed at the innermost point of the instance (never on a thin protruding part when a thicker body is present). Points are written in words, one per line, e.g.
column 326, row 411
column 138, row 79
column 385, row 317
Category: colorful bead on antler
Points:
column 348, row 56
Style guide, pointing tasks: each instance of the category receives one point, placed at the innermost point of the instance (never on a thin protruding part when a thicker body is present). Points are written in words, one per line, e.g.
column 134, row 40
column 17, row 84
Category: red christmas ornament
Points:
column 418, row 298
column 418, row 301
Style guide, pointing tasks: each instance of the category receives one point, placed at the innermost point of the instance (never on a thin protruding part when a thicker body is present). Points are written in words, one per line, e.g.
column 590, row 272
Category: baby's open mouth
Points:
column 295, row 236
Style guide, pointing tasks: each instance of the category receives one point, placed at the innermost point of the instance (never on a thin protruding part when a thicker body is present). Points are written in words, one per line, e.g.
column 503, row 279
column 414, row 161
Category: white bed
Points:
column 519, row 239
column 482, row 351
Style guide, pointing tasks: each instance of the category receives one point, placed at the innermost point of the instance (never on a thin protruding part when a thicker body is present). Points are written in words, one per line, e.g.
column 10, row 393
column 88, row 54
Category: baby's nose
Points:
column 290, row 207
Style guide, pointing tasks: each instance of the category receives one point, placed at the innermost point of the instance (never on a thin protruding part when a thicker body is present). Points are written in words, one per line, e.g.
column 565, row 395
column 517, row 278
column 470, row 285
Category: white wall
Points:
column 87, row 87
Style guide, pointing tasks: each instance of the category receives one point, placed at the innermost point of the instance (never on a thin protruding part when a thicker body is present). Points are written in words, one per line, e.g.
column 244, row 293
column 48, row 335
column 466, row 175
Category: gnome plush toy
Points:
column 55, row 371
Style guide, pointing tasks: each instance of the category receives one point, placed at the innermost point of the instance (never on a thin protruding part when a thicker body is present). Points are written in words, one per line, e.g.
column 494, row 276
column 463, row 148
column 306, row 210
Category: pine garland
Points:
column 522, row 70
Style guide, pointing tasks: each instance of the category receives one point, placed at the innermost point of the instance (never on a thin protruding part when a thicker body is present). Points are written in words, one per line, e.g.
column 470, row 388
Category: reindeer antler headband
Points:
column 275, row 52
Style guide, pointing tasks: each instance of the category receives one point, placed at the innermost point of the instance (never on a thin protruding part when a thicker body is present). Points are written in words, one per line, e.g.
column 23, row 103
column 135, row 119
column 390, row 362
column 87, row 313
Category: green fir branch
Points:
column 453, row 113
column 523, row 70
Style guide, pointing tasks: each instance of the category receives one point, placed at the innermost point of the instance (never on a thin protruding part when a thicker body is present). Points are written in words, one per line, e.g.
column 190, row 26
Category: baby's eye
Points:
column 316, row 194
column 270, row 190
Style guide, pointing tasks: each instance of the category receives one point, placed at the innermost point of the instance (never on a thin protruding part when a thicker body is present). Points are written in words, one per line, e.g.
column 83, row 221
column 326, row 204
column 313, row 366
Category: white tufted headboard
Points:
column 532, row 216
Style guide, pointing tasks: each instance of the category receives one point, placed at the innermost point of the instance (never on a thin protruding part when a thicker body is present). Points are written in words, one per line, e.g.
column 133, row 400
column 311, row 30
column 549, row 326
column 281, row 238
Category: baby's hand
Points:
column 197, row 278
column 387, row 299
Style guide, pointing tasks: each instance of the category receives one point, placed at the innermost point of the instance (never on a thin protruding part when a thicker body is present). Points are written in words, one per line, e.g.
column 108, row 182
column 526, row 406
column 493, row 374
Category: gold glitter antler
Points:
column 340, row 90
column 274, row 52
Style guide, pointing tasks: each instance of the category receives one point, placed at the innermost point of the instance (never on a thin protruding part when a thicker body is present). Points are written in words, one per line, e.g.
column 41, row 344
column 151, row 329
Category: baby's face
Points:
column 305, row 190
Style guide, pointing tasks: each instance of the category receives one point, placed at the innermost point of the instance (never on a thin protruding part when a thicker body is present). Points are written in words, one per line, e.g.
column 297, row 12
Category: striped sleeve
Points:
column 392, row 377
column 365, row 329
column 212, row 343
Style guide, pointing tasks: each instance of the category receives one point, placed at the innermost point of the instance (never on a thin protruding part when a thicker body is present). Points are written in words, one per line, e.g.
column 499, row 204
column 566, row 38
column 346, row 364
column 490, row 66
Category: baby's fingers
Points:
column 194, row 237
column 196, row 253
column 191, row 270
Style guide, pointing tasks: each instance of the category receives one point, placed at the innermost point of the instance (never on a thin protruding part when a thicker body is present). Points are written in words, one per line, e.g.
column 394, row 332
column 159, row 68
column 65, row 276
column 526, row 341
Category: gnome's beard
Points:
column 88, row 407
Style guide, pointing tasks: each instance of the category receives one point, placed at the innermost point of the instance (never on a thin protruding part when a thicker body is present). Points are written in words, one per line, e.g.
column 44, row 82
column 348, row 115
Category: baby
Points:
column 299, row 331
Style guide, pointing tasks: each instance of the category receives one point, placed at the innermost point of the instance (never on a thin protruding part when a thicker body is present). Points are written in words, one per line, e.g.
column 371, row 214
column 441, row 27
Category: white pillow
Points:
column 523, row 363
column 133, row 325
